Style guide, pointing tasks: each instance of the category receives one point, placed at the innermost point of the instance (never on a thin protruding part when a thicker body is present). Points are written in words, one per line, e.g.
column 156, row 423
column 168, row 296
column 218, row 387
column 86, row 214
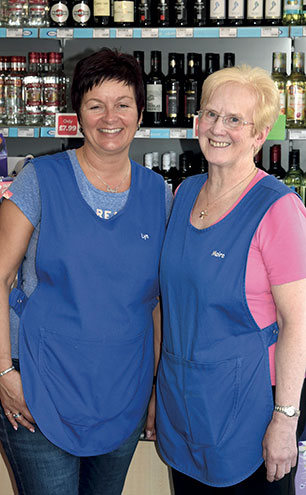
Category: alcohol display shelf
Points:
column 50, row 132
column 164, row 33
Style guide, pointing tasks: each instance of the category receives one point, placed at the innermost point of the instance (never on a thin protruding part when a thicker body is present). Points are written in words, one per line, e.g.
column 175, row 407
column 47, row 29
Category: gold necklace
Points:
column 108, row 187
column 204, row 213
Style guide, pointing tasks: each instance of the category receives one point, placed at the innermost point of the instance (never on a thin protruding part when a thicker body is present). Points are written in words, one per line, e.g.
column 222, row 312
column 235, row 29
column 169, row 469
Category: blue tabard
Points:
column 86, row 333
column 214, row 391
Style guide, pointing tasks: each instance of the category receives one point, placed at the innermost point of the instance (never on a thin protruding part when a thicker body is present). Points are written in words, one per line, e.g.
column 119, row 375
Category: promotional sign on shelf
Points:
column 67, row 126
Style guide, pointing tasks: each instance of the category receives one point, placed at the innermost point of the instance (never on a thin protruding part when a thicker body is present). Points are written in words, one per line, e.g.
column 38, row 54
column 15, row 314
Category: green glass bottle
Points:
column 292, row 12
column 279, row 77
column 294, row 177
column 296, row 93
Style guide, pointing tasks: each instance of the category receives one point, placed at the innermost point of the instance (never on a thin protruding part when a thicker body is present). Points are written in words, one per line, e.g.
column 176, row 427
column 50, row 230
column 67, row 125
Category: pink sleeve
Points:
column 281, row 239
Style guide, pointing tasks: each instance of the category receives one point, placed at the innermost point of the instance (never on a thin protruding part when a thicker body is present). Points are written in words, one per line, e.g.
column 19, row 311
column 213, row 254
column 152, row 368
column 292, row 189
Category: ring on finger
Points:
column 8, row 413
column 17, row 415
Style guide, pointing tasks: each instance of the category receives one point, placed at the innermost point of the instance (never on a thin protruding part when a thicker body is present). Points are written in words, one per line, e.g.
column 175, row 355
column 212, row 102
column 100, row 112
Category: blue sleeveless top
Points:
column 86, row 332
column 214, row 391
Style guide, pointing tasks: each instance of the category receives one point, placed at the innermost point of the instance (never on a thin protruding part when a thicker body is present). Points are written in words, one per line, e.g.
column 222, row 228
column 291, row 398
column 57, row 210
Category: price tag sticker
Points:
column 297, row 133
column 14, row 33
column 124, row 33
column 304, row 30
column 149, row 33
column 67, row 125
column 228, row 32
column 100, row 33
column 26, row 132
column 178, row 133
column 270, row 32
column 4, row 131
column 64, row 33
column 143, row 133
column 184, row 32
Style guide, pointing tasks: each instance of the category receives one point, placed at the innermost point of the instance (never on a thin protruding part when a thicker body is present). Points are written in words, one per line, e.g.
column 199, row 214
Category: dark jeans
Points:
column 41, row 468
column 256, row 484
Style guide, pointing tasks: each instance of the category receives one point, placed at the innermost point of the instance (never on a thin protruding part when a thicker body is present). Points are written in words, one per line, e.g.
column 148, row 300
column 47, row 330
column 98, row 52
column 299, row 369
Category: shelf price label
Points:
column 228, row 32
column 124, row 33
column 64, row 33
column 14, row 33
column 4, row 131
column 270, row 32
column 178, row 133
column 149, row 33
column 26, row 132
column 67, row 125
column 143, row 132
column 184, row 32
column 100, row 33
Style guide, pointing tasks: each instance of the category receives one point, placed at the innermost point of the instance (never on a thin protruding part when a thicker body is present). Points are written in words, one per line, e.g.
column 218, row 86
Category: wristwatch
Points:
column 289, row 411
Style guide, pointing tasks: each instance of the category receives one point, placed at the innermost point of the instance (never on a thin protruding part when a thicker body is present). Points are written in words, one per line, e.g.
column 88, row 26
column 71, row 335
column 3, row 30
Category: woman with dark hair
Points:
column 84, row 228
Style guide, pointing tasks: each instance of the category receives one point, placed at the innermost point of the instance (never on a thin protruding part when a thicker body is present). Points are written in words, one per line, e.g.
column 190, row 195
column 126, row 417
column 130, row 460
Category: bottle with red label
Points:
column 38, row 13
column 59, row 13
column 51, row 91
column 81, row 13
column 13, row 92
column 32, row 84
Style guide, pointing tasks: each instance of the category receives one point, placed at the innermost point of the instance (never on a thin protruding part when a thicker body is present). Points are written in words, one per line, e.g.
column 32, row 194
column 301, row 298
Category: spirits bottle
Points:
column 17, row 13
column 4, row 70
column 155, row 164
column 180, row 11
column 275, row 166
column 236, row 12
column 192, row 89
column 14, row 95
column 139, row 55
column 59, row 13
column 295, row 90
column 33, row 92
column 3, row 13
column 173, row 87
column 279, row 77
column 155, row 88
column 51, row 91
column 124, row 13
column 212, row 63
column 38, row 13
column 165, row 169
column 162, row 13
column 81, row 13
column 101, row 13
column 292, row 12
column 200, row 13
column 228, row 60
column 273, row 12
column 255, row 12
column 294, row 177
column 144, row 13
column 217, row 12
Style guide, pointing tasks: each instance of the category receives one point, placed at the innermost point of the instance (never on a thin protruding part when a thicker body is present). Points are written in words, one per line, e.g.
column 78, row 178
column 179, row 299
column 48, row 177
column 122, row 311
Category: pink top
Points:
column 277, row 256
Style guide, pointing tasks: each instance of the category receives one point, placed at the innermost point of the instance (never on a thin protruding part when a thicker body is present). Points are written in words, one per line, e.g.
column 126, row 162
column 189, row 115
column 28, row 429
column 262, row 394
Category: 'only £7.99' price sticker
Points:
column 67, row 125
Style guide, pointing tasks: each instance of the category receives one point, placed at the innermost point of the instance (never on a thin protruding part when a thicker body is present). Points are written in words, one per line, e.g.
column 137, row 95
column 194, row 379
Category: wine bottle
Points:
column 255, row 12
column 279, row 77
column 294, row 177
column 192, row 89
column 155, row 162
column 275, row 166
column 155, row 92
column 228, row 60
column 236, row 12
column 139, row 55
column 217, row 12
column 81, row 13
column 295, row 91
column 144, row 13
column 162, row 13
column 124, row 13
column 292, row 12
column 273, row 12
column 173, row 88
column 258, row 160
column 101, row 13
column 179, row 13
column 200, row 13
column 212, row 63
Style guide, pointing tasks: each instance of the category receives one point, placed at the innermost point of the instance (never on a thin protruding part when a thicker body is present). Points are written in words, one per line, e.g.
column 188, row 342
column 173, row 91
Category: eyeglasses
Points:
column 229, row 121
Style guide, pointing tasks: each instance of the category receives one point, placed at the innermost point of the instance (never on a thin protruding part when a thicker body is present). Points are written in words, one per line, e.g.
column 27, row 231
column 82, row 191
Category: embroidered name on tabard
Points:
column 217, row 254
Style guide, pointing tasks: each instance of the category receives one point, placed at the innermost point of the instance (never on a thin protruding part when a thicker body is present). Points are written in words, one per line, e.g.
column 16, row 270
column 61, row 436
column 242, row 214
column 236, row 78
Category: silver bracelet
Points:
column 7, row 370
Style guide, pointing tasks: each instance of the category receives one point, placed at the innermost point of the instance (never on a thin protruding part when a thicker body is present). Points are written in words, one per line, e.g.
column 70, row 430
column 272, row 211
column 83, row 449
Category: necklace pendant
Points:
column 111, row 189
column 203, row 214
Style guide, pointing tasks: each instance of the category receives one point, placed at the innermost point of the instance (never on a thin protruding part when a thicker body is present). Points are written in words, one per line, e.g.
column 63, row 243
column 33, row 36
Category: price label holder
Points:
column 228, row 32
column 148, row 33
column 178, row 133
column 66, row 33
column 14, row 33
column 124, row 33
column 66, row 126
column 270, row 32
column 184, row 32
column 143, row 132
column 27, row 132
column 4, row 131
column 101, row 33
column 297, row 133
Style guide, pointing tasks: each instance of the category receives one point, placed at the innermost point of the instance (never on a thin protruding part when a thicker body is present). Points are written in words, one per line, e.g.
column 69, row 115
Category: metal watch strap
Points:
column 289, row 411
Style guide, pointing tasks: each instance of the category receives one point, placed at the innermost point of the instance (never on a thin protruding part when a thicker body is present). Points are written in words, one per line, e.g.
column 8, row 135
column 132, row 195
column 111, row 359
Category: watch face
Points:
column 290, row 411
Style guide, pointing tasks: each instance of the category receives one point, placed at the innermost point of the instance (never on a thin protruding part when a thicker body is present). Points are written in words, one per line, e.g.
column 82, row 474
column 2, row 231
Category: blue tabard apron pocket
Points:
column 210, row 391
column 90, row 391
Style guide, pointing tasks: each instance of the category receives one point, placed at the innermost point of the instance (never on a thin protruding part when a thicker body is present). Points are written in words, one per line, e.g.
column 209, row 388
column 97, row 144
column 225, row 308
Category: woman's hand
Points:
column 13, row 403
column 279, row 446
column 150, row 426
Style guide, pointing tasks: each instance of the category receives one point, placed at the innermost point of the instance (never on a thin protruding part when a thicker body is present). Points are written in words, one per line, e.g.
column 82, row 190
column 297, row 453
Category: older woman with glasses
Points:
column 233, row 282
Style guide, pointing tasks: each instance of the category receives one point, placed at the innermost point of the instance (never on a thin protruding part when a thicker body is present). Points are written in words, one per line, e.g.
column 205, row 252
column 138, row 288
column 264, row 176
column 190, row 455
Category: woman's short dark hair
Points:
column 104, row 65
